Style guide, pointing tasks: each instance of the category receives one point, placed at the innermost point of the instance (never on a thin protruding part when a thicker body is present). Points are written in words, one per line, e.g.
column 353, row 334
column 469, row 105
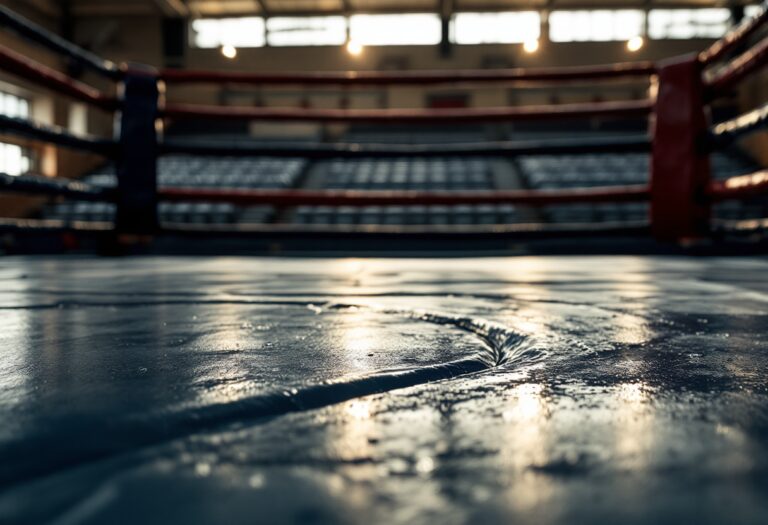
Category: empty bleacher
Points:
column 415, row 174
column 197, row 172
column 543, row 172
column 410, row 174
column 731, row 164
column 551, row 172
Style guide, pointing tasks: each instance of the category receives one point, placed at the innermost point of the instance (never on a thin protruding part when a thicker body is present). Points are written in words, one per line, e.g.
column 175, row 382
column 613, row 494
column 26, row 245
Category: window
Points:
column 595, row 26
column 307, row 31
column 13, row 106
column 688, row 23
column 752, row 11
column 237, row 32
column 395, row 30
column 14, row 160
column 496, row 28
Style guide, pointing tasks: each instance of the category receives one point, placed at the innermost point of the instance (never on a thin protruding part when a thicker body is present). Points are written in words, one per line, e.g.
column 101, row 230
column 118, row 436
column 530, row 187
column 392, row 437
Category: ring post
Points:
column 137, row 154
column 680, row 172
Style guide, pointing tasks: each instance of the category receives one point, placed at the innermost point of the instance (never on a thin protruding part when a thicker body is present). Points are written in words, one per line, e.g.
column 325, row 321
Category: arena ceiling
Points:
column 216, row 8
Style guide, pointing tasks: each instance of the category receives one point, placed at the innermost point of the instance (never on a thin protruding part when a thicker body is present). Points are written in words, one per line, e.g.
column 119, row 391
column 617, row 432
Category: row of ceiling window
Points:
column 465, row 28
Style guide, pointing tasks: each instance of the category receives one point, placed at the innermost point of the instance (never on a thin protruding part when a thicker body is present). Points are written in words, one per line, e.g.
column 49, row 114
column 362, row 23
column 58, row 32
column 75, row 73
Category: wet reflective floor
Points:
column 264, row 390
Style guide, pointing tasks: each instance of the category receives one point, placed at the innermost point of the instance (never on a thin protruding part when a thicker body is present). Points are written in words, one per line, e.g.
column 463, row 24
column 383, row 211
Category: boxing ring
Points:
column 680, row 189
column 428, row 390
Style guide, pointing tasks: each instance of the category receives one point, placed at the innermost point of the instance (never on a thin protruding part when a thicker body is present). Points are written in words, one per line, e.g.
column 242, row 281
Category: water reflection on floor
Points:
column 248, row 390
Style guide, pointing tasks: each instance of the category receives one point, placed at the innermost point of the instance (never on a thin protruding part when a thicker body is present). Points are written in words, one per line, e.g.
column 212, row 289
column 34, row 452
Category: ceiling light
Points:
column 531, row 46
column 354, row 48
column 635, row 43
column 229, row 51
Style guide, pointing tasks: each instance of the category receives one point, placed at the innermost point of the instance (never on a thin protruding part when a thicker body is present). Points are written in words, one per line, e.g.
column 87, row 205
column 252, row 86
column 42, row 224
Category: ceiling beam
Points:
column 446, row 8
column 173, row 8
column 263, row 9
column 108, row 9
column 445, row 11
column 473, row 8
column 85, row 9
column 42, row 7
